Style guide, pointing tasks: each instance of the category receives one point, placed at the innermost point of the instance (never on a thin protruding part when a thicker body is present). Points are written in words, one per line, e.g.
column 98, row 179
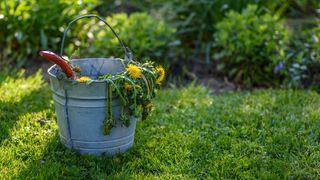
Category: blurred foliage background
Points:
column 252, row 43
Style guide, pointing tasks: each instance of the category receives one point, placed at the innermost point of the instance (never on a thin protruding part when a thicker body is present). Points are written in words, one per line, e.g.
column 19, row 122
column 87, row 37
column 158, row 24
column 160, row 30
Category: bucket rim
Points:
column 85, row 59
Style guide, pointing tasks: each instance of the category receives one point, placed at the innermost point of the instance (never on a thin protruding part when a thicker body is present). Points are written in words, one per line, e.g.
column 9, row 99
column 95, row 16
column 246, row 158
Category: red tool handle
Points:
column 50, row 56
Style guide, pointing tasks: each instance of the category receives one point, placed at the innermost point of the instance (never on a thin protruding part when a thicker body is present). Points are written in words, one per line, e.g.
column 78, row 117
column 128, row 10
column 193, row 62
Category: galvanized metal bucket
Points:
column 81, row 108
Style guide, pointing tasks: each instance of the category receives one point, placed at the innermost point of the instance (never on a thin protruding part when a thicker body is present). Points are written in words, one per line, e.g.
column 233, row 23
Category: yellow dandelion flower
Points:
column 84, row 79
column 161, row 73
column 127, row 87
column 134, row 71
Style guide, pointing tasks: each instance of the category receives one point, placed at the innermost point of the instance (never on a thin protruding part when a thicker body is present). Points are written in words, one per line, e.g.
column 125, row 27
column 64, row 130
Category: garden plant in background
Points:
column 303, row 59
column 148, row 38
column 29, row 25
column 194, row 21
column 249, row 45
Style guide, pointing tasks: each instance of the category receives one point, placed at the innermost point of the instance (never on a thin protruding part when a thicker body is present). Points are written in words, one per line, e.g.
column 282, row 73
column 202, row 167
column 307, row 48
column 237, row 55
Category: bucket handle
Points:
column 128, row 53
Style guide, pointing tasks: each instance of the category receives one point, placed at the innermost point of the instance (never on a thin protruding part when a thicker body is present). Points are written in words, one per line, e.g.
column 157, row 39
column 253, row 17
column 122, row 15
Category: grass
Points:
column 267, row 134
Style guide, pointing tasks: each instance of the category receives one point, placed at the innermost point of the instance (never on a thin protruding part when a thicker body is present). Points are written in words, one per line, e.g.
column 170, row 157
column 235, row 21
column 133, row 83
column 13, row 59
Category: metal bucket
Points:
column 81, row 109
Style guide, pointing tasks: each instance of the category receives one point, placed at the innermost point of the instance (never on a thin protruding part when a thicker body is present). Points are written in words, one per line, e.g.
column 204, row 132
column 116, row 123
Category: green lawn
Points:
column 192, row 134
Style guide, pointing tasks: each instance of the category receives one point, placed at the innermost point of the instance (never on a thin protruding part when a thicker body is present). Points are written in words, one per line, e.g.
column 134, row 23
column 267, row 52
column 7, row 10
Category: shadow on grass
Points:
column 33, row 102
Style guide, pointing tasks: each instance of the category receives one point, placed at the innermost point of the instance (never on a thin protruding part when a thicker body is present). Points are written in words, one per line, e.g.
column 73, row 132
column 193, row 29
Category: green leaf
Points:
column 43, row 39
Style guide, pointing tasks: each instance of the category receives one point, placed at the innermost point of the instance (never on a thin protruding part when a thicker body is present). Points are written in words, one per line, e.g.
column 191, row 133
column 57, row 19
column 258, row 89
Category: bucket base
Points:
column 109, row 151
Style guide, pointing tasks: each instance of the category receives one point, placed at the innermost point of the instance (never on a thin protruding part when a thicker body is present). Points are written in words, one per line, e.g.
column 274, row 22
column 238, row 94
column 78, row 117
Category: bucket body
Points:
column 81, row 110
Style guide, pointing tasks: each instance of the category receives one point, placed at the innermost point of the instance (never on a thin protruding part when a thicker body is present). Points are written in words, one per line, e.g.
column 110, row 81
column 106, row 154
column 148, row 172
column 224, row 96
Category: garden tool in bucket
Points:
column 82, row 109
